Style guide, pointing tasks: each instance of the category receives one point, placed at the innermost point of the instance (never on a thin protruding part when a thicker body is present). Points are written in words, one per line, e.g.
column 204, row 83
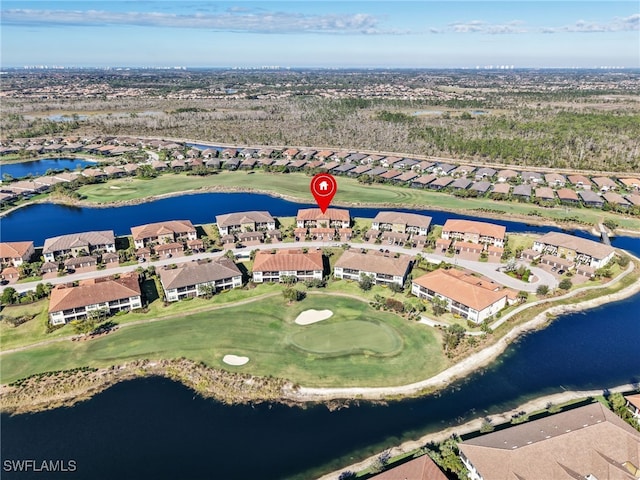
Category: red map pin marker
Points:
column 323, row 187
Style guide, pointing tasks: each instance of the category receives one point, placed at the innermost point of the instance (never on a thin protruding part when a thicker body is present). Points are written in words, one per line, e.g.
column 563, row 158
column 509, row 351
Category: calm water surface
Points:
column 40, row 167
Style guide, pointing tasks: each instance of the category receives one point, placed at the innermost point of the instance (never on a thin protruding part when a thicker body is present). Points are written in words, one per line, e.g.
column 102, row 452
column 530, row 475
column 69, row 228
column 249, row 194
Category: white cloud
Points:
column 624, row 24
column 479, row 26
column 237, row 20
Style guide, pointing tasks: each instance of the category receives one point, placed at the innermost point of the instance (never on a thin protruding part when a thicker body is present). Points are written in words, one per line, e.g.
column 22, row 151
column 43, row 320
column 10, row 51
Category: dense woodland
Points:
column 565, row 119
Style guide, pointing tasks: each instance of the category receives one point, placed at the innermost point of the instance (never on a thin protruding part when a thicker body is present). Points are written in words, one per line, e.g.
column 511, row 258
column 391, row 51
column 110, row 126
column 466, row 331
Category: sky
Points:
column 321, row 33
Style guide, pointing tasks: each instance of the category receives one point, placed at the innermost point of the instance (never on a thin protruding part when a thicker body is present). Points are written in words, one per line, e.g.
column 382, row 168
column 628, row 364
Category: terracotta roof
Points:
column 630, row 182
column 78, row 240
column 425, row 179
column 162, row 228
column 545, row 192
column 580, row 245
column 604, row 182
column 507, row 173
column 450, row 285
column 97, row 290
column 168, row 247
column 14, row 249
column 292, row 259
column 193, row 273
column 615, row 198
column 411, row 219
column 373, row 261
column 470, row 226
column 567, row 194
column 469, row 245
column 634, row 399
column 421, row 468
column 580, row 443
column 576, row 179
column 503, row 188
column 331, row 214
column 240, row 218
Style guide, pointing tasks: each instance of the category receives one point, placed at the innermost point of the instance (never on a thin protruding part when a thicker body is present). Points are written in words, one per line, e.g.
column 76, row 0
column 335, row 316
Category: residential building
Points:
column 576, row 249
column 531, row 177
column 633, row 404
column 332, row 217
column 421, row 468
column 193, row 279
column 506, row 175
column 485, row 172
column 566, row 195
column 545, row 194
column 484, row 186
column 402, row 222
column 272, row 266
column 104, row 295
column 591, row 198
column 163, row 232
column 440, row 183
column 465, row 295
column 589, row 442
column 604, row 184
column 384, row 269
column 245, row 222
column 630, row 183
column 16, row 253
column 580, row 181
column 76, row 244
column 474, row 232
column 522, row 191
column 555, row 180
column 616, row 199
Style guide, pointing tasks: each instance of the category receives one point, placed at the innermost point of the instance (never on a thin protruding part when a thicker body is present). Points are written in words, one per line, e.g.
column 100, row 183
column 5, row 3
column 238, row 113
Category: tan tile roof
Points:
column 421, row 468
column 193, row 273
column 468, row 245
column 545, row 192
column 78, row 240
column 331, row 214
column 292, row 259
column 14, row 249
column 470, row 226
column 576, row 179
column 449, row 285
column 373, row 261
column 167, row 247
column 634, row 399
column 585, row 441
column 567, row 194
column 410, row 219
column 97, row 290
column 503, row 188
column 239, row 218
column 162, row 228
column 631, row 182
column 580, row 245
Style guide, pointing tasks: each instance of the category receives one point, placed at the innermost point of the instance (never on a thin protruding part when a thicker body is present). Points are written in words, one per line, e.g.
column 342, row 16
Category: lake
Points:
column 37, row 222
column 40, row 167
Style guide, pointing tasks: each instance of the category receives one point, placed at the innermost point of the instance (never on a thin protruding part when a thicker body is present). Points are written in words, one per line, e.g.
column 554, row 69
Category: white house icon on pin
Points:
column 324, row 186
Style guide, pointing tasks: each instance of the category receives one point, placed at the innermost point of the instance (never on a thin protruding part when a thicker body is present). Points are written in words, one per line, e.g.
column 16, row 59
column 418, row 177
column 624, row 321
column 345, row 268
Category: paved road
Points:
column 489, row 270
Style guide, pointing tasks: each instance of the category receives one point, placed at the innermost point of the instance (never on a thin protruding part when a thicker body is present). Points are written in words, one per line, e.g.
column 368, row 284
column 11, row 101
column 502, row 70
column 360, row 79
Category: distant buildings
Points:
column 575, row 249
column 163, row 232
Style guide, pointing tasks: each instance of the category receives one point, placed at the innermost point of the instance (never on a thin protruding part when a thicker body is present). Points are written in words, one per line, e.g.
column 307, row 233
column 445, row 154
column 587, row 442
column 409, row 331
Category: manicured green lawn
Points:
column 349, row 191
column 261, row 331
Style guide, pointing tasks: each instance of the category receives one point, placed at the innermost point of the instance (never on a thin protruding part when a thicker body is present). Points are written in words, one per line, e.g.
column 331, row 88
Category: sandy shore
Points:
column 531, row 406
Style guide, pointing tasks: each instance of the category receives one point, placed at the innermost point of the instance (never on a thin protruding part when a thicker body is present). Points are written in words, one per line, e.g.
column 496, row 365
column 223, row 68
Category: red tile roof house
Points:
column 16, row 253
column 75, row 244
column 589, row 442
column 332, row 217
column 10, row 274
column 193, row 279
column 106, row 294
column 580, row 181
column 475, row 232
column 630, row 183
column 402, row 222
column 468, row 247
column 245, row 221
column 168, row 250
column 322, row 233
column 273, row 266
column 163, row 232
column 442, row 245
column 633, row 404
column 384, row 269
column 466, row 295
column 421, row 468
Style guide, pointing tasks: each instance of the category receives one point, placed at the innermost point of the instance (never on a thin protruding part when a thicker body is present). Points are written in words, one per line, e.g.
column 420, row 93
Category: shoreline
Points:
column 531, row 406
column 526, row 219
column 28, row 399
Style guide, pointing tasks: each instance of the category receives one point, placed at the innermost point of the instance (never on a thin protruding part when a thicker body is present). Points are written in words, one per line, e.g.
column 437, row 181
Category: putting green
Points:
column 348, row 337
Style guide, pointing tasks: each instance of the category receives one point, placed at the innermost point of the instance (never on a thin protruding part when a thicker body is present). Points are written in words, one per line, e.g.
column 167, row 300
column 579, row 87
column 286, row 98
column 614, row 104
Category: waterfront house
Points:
column 332, row 217
column 163, row 232
column 384, row 269
column 105, row 295
column 402, row 222
column 193, row 279
column 522, row 192
column 576, row 249
column 589, row 442
column 591, row 198
column 77, row 244
column 465, row 295
column 616, row 200
column 244, row 222
column 273, row 266
column 16, row 253
column 474, row 232
column 633, row 404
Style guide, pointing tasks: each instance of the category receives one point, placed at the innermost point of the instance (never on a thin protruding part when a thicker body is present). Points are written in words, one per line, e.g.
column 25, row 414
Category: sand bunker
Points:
column 312, row 316
column 113, row 187
column 235, row 360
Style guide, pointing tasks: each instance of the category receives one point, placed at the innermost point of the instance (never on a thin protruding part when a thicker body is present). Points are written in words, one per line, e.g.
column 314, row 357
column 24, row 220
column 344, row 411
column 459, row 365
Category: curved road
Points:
column 490, row 270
